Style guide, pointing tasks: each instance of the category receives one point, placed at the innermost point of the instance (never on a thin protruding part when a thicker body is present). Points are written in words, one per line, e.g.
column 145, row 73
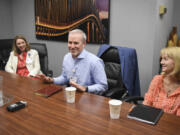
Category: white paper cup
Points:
column 70, row 94
column 115, row 108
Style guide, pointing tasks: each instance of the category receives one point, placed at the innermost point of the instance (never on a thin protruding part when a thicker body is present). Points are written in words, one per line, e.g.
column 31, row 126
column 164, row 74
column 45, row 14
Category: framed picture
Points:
column 55, row 18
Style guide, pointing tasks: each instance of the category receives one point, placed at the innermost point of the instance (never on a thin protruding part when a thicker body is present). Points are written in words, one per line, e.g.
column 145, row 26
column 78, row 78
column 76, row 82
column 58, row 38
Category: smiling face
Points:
column 75, row 44
column 167, row 64
column 21, row 45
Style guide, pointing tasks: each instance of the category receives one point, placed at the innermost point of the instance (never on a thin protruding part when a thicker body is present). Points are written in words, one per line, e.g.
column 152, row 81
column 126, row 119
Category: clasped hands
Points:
column 48, row 79
column 77, row 86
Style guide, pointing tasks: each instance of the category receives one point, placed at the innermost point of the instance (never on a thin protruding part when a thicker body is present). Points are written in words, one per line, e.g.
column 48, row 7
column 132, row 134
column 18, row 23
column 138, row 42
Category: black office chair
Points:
column 134, row 99
column 5, row 49
column 116, row 88
column 43, row 56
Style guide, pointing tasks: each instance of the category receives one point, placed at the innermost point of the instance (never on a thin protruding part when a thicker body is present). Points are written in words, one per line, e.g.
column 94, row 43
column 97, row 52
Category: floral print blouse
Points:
column 21, row 66
column 157, row 97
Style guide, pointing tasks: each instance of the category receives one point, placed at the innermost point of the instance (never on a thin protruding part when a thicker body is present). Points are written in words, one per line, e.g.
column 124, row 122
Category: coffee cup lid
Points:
column 70, row 88
column 115, row 102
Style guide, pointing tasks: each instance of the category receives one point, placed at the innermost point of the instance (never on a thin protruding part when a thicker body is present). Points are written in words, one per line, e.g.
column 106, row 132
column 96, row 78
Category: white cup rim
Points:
column 70, row 89
column 115, row 102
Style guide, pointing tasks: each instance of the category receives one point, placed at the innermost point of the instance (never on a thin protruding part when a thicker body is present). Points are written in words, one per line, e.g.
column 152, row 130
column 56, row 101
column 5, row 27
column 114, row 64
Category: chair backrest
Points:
column 43, row 55
column 111, row 55
column 129, row 67
column 5, row 49
column 116, row 88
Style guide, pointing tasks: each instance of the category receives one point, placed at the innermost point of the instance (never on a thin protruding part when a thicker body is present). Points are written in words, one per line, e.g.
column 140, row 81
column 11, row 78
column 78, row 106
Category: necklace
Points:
column 169, row 92
column 170, row 86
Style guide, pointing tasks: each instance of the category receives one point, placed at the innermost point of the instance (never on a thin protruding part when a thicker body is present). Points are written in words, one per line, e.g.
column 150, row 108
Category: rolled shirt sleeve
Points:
column 99, row 77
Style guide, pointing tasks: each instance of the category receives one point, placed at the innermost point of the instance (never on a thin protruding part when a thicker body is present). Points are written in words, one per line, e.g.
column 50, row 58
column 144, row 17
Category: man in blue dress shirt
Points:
column 81, row 69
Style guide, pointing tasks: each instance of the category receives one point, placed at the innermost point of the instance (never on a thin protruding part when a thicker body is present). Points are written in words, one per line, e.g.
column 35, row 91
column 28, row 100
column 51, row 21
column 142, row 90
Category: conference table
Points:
column 89, row 115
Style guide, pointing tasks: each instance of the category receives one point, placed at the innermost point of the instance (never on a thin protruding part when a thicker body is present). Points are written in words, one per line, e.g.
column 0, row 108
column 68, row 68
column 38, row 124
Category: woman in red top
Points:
column 164, row 90
column 23, row 60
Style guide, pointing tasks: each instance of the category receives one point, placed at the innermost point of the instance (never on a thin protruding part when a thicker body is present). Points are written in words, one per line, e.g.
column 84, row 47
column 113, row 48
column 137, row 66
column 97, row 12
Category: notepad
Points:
column 48, row 90
column 145, row 114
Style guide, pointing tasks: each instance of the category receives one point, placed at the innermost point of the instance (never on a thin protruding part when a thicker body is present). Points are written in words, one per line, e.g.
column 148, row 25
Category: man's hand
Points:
column 77, row 86
column 46, row 79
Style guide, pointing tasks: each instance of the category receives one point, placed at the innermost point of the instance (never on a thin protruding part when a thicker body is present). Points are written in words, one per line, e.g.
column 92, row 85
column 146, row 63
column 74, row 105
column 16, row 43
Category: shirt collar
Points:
column 82, row 54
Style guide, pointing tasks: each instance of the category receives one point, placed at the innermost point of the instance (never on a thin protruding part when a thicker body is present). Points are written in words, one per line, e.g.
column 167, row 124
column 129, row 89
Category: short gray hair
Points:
column 80, row 32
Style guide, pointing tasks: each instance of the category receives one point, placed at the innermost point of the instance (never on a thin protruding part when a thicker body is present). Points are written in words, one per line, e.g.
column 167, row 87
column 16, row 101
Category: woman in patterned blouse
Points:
column 164, row 90
column 23, row 60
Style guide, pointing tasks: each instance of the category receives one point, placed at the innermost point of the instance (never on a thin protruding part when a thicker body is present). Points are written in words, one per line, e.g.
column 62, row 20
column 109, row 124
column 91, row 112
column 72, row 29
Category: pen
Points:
column 131, row 108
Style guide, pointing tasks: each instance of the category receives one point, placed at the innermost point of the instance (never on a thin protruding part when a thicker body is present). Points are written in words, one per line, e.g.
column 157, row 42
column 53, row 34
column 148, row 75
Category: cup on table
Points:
column 1, row 90
column 115, row 108
column 70, row 94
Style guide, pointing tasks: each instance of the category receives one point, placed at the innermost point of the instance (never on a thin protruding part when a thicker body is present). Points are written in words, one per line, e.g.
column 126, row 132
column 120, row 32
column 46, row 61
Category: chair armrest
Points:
column 134, row 99
column 115, row 93
column 3, row 64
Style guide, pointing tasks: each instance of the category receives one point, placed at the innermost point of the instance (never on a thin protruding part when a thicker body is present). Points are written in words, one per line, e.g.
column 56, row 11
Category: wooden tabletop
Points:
column 89, row 115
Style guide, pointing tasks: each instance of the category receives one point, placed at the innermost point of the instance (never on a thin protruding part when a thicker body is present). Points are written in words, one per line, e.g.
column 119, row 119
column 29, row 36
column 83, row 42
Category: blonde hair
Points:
column 174, row 53
column 15, row 48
